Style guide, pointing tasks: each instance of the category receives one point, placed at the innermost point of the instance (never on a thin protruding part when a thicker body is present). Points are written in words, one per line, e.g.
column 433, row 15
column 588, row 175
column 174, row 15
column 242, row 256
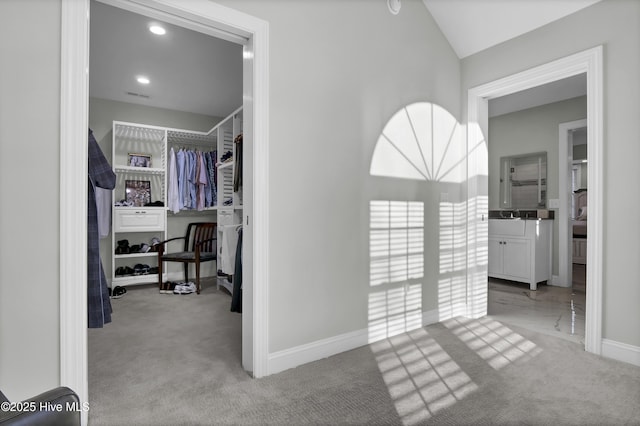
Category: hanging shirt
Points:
column 227, row 255
column 192, row 179
column 101, row 175
column 103, row 206
column 201, row 181
column 214, row 178
column 207, row 188
column 173, row 196
column 180, row 172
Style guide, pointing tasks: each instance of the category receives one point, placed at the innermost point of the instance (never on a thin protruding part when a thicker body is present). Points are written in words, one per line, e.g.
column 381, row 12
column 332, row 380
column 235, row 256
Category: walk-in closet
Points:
column 166, row 109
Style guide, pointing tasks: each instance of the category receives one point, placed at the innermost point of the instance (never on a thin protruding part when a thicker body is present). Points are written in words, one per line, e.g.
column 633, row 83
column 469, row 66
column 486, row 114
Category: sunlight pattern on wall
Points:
column 396, row 242
column 494, row 342
column 477, row 228
column 452, row 284
column 394, row 311
column 421, row 377
column 396, row 247
column 422, row 141
column 477, row 256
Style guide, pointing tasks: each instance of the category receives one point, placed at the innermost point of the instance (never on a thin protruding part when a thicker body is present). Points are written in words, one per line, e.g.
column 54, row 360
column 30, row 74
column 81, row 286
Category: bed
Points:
column 580, row 227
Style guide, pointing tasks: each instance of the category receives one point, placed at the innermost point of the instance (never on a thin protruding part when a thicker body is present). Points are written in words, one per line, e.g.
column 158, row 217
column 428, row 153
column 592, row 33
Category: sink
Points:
column 507, row 226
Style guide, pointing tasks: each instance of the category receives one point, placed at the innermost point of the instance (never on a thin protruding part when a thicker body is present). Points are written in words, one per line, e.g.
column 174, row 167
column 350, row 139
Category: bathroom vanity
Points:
column 520, row 249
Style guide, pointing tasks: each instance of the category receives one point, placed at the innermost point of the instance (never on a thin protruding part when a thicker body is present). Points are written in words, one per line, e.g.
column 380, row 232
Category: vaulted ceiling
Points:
column 193, row 72
column 474, row 25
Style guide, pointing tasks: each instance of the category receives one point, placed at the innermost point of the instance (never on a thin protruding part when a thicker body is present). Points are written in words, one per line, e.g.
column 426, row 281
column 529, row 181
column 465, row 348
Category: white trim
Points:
column 299, row 355
column 196, row 16
column 74, row 96
column 314, row 351
column 565, row 237
column 621, row 351
column 260, row 214
column 73, row 181
column 589, row 62
column 595, row 183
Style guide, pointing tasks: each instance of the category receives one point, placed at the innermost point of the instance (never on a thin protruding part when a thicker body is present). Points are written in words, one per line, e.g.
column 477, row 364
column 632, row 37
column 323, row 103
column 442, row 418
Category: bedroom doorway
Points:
column 589, row 62
column 573, row 178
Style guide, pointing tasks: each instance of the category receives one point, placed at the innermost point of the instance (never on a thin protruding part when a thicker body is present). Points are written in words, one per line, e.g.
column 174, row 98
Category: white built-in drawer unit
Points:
column 139, row 219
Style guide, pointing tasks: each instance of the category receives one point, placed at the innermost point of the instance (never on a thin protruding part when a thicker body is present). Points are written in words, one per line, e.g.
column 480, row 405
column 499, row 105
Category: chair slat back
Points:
column 202, row 231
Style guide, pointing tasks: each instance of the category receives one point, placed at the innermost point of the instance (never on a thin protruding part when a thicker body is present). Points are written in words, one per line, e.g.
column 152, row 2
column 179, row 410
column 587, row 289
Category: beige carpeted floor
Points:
column 169, row 360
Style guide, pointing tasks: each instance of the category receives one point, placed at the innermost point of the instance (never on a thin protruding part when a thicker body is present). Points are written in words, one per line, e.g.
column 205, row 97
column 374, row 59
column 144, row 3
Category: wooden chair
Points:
column 200, row 245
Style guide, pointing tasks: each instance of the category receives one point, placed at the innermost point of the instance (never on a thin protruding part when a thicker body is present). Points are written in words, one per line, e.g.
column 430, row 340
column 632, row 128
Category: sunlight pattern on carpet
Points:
column 421, row 377
column 494, row 342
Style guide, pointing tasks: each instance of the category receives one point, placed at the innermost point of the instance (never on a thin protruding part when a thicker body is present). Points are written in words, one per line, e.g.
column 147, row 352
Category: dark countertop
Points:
column 521, row 214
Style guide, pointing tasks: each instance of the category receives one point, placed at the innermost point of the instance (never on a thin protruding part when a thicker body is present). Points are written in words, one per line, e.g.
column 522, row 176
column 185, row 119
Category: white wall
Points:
column 102, row 113
column 528, row 131
column 615, row 24
column 338, row 71
column 29, row 186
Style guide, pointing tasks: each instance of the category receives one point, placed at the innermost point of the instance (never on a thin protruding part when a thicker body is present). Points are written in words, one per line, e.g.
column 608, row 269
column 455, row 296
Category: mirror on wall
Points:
column 523, row 181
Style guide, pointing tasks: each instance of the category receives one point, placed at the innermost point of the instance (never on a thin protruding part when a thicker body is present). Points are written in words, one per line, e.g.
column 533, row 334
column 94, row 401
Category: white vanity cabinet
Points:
column 520, row 250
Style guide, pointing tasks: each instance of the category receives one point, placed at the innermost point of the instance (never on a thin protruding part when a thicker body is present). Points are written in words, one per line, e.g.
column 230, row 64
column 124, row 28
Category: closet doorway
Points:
column 211, row 19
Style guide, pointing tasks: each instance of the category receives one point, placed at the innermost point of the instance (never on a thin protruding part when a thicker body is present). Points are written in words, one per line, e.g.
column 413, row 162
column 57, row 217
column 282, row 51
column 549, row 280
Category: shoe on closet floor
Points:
column 185, row 288
column 117, row 292
column 168, row 287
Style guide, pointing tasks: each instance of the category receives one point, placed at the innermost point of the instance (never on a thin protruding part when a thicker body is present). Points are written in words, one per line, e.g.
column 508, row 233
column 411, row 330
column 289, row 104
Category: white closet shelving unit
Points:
column 230, row 201
column 139, row 223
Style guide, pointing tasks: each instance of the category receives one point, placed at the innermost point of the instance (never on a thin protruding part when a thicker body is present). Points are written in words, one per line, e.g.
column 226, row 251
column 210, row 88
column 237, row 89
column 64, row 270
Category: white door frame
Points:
column 203, row 16
column 565, row 246
column 590, row 62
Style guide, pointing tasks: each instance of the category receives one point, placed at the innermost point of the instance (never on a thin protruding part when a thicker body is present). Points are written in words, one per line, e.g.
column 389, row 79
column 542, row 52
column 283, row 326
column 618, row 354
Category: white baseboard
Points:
column 621, row 351
column 555, row 280
column 293, row 357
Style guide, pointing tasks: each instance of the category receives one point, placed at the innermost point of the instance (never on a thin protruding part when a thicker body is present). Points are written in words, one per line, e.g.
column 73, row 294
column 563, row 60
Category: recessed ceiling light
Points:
column 157, row 29
column 142, row 79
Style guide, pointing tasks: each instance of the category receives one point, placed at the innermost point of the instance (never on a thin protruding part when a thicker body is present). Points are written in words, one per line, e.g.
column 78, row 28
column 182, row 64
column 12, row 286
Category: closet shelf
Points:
column 133, row 131
column 177, row 137
column 225, row 165
column 141, row 170
column 132, row 255
column 138, row 208
column 135, row 279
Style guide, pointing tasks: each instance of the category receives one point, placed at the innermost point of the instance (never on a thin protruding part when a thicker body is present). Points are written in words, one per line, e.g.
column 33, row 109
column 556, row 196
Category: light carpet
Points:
column 175, row 360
